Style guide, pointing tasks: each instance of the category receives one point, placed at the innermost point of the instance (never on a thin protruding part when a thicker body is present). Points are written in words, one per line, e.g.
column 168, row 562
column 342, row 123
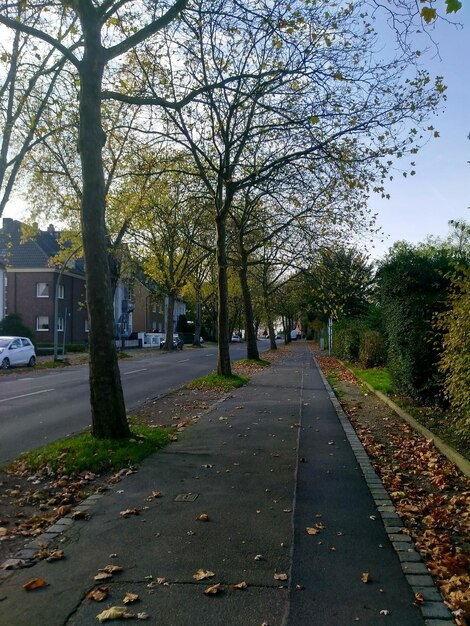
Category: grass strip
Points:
column 377, row 377
column 216, row 381
column 258, row 362
column 84, row 452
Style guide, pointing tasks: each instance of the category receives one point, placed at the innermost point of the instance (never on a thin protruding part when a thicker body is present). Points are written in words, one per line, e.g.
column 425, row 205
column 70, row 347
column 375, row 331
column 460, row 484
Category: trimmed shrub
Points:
column 455, row 359
column 413, row 285
column 371, row 349
column 347, row 339
column 13, row 325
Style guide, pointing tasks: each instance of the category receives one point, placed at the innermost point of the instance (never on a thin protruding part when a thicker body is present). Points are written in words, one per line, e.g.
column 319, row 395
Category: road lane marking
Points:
column 25, row 395
column 135, row 371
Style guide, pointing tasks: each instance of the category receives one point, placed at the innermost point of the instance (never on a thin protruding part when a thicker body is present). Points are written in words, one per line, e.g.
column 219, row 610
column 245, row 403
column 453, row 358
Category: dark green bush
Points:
column 455, row 358
column 371, row 349
column 347, row 339
column 413, row 286
column 13, row 325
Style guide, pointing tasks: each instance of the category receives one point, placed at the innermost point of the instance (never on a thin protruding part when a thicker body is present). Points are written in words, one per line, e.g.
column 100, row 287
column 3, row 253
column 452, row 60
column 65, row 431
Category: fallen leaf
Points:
column 81, row 515
column 202, row 574
column 300, row 587
column 111, row 569
column 312, row 531
column 60, row 511
column 280, row 576
column 142, row 615
column 4, row 532
column 259, row 557
column 127, row 512
column 160, row 581
column 114, row 612
column 56, row 555
column 102, row 576
column 241, row 585
column 34, row 583
column 365, row 577
column 156, row 494
column 384, row 612
column 130, row 597
column 419, row 597
column 99, row 594
column 213, row 590
column 203, row 517
column 331, row 443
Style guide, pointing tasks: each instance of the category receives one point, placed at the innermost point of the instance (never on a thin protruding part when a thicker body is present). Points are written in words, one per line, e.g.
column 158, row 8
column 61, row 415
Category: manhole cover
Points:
column 186, row 497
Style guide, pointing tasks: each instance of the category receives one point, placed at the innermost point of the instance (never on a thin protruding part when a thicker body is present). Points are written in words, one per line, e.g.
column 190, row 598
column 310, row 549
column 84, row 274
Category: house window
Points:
column 60, row 324
column 60, row 292
column 42, row 322
column 42, row 290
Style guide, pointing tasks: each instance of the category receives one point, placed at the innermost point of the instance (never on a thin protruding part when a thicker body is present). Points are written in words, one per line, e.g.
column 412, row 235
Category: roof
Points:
column 33, row 253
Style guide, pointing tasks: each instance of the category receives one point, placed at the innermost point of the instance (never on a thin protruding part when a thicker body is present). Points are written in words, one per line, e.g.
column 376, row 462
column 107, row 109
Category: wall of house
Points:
column 38, row 312
column 148, row 313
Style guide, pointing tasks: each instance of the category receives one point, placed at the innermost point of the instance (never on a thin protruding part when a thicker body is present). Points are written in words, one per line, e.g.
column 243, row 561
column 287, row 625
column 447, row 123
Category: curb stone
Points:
column 434, row 611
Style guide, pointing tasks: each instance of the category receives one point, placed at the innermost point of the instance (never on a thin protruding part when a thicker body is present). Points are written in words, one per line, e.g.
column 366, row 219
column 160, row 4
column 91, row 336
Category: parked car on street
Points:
column 16, row 351
column 178, row 343
column 235, row 339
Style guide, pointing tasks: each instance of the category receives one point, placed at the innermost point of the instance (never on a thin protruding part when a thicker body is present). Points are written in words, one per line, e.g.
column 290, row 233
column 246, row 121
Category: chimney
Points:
column 52, row 231
column 7, row 224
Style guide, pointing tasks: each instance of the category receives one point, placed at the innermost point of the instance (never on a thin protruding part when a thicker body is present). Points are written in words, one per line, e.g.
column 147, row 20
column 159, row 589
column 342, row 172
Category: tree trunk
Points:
column 107, row 400
column 198, row 321
column 269, row 319
column 251, row 345
column 223, row 365
column 169, row 320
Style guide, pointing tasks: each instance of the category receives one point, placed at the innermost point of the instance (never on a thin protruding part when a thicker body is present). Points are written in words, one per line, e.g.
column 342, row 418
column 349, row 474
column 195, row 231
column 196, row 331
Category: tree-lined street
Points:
column 39, row 407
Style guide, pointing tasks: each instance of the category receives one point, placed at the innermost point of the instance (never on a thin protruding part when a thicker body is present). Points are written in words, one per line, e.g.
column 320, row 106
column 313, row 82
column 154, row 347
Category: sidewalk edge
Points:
column 415, row 571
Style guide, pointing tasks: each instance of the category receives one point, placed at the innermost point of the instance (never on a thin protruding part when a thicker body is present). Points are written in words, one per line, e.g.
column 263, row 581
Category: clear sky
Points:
column 423, row 204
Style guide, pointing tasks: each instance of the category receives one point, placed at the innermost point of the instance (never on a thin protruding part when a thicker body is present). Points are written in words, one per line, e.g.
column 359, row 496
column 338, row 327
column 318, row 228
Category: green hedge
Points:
column 413, row 286
column 371, row 349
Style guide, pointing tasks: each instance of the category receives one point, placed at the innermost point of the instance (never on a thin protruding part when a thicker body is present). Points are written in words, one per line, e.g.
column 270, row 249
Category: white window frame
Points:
column 60, row 291
column 60, row 324
column 38, row 325
column 41, row 295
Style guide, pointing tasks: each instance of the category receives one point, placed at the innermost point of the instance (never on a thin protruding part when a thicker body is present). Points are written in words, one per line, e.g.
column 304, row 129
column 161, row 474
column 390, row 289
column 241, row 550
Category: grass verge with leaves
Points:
column 211, row 381
column 83, row 452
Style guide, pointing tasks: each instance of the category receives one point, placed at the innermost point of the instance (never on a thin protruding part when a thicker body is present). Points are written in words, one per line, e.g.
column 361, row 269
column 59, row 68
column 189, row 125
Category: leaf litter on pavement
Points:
column 430, row 495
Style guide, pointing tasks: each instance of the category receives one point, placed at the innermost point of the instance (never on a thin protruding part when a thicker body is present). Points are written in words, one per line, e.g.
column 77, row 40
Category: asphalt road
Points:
column 39, row 406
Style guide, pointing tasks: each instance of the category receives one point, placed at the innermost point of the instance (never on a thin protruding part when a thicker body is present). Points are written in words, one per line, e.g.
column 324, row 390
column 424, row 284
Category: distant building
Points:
column 31, row 285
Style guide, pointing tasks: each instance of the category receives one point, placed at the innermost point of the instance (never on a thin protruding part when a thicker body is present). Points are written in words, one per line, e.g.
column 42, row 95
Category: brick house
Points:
column 31, row 284
column 149, row 314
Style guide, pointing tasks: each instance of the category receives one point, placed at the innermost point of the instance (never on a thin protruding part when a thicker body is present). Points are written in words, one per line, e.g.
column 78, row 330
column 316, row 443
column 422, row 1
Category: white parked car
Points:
column 235, row 339
column 16, row 351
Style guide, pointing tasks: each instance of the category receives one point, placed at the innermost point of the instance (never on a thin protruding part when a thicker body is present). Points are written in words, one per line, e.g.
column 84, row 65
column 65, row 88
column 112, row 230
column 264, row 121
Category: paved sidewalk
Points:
column 265, row 464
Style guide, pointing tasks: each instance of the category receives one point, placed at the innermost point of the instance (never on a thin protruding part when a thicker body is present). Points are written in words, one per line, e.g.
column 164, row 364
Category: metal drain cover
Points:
column 186, row 497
